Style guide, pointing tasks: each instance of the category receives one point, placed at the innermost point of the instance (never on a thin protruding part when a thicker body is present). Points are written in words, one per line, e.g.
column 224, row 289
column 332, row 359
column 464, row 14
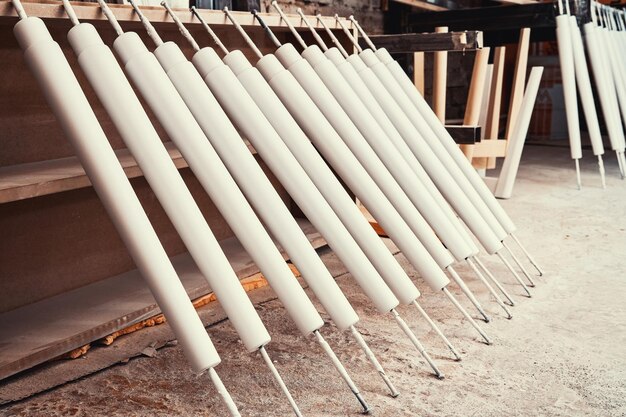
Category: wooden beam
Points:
column 53, row 10
column 492, row 125
column 475, row 95
column 429, row 42
column 19, row 182
column 464, row 134
column 500, row 24
column 486, row 148
column 421, row 4
column 519, row 80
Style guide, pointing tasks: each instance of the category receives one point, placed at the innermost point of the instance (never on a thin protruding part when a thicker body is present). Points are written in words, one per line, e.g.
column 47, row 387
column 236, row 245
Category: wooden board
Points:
column 41, row 331
column 429, row 42
column 18, row 182
column 464, row 134
column 50, row 9
column 490, row 148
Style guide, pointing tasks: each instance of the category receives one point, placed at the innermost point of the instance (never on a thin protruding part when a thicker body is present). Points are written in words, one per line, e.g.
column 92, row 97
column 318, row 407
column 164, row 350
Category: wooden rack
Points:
column 60, row 256
column 91, row 12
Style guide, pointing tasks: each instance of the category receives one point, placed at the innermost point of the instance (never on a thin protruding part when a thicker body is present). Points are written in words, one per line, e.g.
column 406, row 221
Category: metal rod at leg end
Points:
column 489, row 287
column 519, row 264
column 530, row 258
column 620, row 165
column 495, row 281
column 342, row 371
column 434, row 326
column 418, row 345
column 223, row 393
column 602, row 171
column 279, row 379
column 374, row 361
column 466, row 315
column 517, row 278
column 468, row 293
column 578, row 180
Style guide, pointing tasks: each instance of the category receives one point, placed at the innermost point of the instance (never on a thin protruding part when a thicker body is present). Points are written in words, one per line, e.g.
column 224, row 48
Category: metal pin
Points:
column 332, row 36
column 267, row 29
column 602, row 171
column 214, row 37
column 519, row 264
column 468, row 293
column 530, row 258
column 418, row 345
column 362, row 32
column 181, row 28
column 374, row 361
column 434, row 326
column 348, row 34
column 342, row 371
column 494, row 280
column 289, row 25
column 622, row 165
column 517, row 278
column 110, row 17
column 244, row 34
column 71, row 14
column 279, row 379
column 489, row 287
column 222, row 391
column 317, row 37
column 152, row 33
column 466, row 315
column 578, row 179
column 19, row 9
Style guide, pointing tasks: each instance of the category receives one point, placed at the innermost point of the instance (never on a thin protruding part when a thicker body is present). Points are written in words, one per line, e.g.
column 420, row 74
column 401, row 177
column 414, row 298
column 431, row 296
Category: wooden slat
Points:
column 475, row 95
column 421, row 4
column 494, row 148
column 41, row 331
column 18, row 182
column 49, row 9
column 492, row 125
column 519, row 80
column 429, row 42
column 464, row 134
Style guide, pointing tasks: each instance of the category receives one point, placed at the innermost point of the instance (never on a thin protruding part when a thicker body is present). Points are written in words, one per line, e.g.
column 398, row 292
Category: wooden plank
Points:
column 429, row 42
column 372, row 221
column 41, row 331
column 488, row 19
column 492, row 125
column 421, row 4
column 475, row 95
column 87, row 11
column 464, row 134
column 519, row 80
column 493, row 148
column 18, row 182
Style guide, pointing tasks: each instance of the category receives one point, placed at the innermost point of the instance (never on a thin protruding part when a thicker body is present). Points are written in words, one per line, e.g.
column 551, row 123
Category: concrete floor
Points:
column 563, row 353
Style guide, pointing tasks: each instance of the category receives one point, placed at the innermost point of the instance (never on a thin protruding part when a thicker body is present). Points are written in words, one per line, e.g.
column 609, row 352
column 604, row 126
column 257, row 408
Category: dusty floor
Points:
column 563, row 354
